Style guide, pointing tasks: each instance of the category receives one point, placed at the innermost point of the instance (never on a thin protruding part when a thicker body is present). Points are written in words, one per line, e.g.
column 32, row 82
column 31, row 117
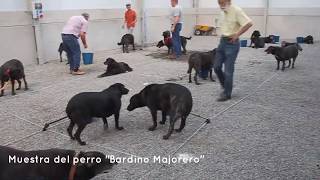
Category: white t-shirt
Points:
column 75, row 25
column 176, row 11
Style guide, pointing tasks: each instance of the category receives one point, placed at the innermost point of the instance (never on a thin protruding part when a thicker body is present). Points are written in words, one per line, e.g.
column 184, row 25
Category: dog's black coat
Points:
column 51, row 170
column 62, row 47
column 84, row 106
column 254, row 35
column 308, row 40
column 168, row 42
column 126, row 40
column 114, row 67
column 259, row 42
column 201, row 61
column 172, row 99
column 285, row 44
column 12, row 70
column 269, row 39
column 285, row 54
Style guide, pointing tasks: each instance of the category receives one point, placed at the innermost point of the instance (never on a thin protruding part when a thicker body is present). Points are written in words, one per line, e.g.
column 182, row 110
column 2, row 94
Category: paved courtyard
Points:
column 269, row 130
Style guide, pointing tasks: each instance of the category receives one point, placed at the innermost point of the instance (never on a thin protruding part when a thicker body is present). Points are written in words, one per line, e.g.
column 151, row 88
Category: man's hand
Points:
column 234, row 38
column 173, row 28
column 85, row 46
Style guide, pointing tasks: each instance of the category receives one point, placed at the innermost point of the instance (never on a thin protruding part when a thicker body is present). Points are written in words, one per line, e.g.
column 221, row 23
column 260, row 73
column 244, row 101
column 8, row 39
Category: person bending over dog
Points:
column 235, row 22
column 76, row 27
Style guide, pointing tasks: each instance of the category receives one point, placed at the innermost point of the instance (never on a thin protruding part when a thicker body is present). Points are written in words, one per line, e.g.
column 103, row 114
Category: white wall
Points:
column 294, row 3
column 166, row 3
column 241, row 3
column 260, row 3
column 13, row 5
column 287, row 18
column 50, row 5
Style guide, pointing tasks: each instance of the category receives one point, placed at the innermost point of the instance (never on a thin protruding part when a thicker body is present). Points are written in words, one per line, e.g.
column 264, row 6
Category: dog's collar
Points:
column 73, row 168
column 7, row 71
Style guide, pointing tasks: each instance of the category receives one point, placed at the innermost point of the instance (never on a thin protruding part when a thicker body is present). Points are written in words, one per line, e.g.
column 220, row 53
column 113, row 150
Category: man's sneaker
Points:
column 223, row 98
column 78, row 72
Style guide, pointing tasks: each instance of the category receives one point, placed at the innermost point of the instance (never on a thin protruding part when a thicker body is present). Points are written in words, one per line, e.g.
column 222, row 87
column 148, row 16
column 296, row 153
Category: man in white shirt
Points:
column 75, row 27
column 176, row 26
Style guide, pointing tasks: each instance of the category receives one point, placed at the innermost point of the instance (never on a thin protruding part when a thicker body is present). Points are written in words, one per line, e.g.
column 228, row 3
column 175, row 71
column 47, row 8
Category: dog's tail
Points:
column 120, row 43
column 102, row 75
column 189, row 38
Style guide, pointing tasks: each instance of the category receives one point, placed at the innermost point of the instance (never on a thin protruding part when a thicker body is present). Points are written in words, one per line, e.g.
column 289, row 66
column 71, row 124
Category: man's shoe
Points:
column 223, row 98
column 78, row 72
column 172, row 57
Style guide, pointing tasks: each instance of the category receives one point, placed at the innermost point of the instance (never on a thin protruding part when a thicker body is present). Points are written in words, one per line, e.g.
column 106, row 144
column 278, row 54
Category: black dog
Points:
column 126, row 40
column 115, row 67
column 269, row 39
column 62, row 47
column 285, row 54
column 84, row 106
column 201, row 61
column 308, row 40
column 172, row 99
column 12, row 70
column 168, row 42
column 49, row 170
column 254, row 35
column 258, row 42
column 285, row 44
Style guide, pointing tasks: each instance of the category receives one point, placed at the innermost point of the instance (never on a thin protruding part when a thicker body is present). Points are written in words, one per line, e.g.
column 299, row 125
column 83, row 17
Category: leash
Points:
column 46, row 125
column 199, row 116
column 73, row 168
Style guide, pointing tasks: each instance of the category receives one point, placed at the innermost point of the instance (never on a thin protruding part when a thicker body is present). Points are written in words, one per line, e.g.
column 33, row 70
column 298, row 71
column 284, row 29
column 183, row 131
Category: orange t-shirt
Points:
column 130, row 18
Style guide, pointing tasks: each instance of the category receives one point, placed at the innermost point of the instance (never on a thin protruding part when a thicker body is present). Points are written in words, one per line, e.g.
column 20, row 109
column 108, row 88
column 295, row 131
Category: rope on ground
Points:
column 35, row 124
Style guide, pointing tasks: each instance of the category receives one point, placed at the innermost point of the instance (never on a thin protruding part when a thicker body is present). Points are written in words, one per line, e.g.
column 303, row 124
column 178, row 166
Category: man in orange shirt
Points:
column 130, row 19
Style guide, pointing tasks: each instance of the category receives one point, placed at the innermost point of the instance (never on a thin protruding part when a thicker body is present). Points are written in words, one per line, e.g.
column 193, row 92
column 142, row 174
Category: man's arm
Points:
column 83, row 39
column 244, row 29
column 175, row 21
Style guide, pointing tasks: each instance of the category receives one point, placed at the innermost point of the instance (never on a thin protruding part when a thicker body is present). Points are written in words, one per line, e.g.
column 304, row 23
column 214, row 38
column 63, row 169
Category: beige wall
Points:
column 17, row 36
column 287, row 23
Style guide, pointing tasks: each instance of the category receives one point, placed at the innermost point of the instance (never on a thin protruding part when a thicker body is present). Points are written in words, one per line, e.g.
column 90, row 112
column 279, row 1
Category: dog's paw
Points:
column 178, row 130
column 165, row 137
column 82, row 143
column 162, row 122
column 13, row 94
column 152, row 128
column 197, row 83
column 18, row 88
column 120, row 128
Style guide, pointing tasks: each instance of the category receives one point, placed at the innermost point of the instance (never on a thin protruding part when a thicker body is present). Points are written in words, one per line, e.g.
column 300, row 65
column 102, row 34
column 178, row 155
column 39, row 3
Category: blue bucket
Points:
column 87, row 58
column 203, row 74
column 243, row 43
column 300, row 40
column 276, row 39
